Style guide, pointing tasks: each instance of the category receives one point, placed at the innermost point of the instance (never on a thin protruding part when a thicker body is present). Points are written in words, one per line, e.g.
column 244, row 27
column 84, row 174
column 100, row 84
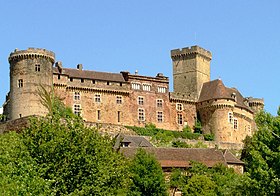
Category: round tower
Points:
column 28, row 70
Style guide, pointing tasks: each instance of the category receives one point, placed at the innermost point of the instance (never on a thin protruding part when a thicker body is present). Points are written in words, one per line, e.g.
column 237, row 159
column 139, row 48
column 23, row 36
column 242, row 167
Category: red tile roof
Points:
column 93, row 75
column 182, row 157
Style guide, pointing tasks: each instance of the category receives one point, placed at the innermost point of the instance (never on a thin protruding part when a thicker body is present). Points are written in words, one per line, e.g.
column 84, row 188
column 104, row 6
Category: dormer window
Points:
column 233, row 95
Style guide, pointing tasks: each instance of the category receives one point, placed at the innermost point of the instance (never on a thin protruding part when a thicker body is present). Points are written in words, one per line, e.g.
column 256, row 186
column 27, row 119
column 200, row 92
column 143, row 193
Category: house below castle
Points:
column 132, row 99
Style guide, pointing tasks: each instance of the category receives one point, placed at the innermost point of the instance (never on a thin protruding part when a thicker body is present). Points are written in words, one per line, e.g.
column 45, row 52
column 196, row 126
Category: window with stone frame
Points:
column 230, row 117
column 37, row 68
column 180, row 119
column 235, row 123
column 135, row 86
column 161, row 89
column 179, row 106
column 77, row 109
column 159, row 103
column 146, row 87
column 159, row 117
column 119, row 99
column 97, row 98
column 77, row 96
column 141, row 114
column 140, row 100
column 20, row 83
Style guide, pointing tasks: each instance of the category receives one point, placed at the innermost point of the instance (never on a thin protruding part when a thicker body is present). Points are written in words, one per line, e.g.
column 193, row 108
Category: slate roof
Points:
column 215, row 89
column 134, row 141
column 93, row 75
column 182, row 157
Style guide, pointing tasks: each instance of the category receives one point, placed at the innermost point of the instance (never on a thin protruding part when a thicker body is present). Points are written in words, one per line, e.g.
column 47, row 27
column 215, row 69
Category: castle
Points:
column 132, row 99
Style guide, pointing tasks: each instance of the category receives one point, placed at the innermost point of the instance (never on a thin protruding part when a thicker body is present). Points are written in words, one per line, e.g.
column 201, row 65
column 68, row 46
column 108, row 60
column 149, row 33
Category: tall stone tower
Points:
column 191, row 68
column 28, row 70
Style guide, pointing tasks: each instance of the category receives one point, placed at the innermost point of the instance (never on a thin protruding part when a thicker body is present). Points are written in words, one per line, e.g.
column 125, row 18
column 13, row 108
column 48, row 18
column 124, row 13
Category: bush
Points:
column 209, row 137
column 180, row 144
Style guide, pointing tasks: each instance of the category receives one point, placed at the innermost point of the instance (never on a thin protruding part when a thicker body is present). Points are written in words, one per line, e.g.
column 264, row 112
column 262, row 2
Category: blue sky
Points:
column 112, row 36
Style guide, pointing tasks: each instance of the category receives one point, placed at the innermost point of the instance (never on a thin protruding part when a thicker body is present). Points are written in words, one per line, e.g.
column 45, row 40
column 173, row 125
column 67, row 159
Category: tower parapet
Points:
column 256, row 104
column 31, row 53
column 177, row 53
column 191, row 68
column 29, row 69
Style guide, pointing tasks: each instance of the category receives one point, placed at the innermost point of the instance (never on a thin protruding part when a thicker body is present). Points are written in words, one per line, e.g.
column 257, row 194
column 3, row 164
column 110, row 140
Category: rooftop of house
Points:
column 182, row 157
column 131, row 141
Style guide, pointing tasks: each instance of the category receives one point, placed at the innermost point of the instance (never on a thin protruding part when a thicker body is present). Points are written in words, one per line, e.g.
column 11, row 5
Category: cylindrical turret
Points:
column 28, row 70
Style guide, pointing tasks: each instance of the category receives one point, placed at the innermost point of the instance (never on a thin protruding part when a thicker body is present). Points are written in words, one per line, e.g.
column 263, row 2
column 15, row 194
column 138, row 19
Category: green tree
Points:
column 19, row 173
column 146, row 176
column 262, row 155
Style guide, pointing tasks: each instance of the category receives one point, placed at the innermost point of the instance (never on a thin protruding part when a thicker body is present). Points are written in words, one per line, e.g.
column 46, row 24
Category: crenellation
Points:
column 189, row 51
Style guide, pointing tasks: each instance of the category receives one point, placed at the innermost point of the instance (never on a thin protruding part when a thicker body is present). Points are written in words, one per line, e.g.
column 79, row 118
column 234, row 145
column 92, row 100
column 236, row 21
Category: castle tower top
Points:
column 191, row 68
column 177, row 53
column 31, row 53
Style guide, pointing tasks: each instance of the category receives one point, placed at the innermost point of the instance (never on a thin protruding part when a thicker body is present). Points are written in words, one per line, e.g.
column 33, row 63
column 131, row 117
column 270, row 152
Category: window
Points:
column 20, row 83
column 58, row 77
column 141, row 114
column 160, row 117
column 140, row 100
column 119, row 99
column 135, row 86
column 230, row 117
column 108, row 83
column 119, row 116
column 179, row 106
column 77, row 96
column 159, row 103
column 82, row 80
column 235, row 123
column 161, row 89
column 71, row 79
column 249, row 128
column 97, row 98
column 37, row 68
column 93, row 81
column 77, row 109
column 120, row 83
column 180, row 119
column 146, row 87
column 98, row 115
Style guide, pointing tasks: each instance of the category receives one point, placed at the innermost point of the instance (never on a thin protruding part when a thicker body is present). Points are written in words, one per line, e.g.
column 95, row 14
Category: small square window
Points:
column 119, row 100
column 160, row 117
column 230, row 117
column 180, row 119
column 37, row 68
column 77, row 96
column 141, row 114
column 140, row 100
column 159, row 103
column 20, row 83
column 179, row 106
column 235, row 123
column 77, row 109
column 97, row 98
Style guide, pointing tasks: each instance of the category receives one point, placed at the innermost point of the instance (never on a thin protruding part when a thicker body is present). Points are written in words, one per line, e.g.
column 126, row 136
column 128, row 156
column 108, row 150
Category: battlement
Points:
column 252, row 100
column 191, row 50
column 31, row 53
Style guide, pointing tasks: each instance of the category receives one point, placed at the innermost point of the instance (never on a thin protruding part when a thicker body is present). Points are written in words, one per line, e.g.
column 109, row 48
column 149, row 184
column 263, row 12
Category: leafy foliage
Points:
column 147, row 176
column 262, row 155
